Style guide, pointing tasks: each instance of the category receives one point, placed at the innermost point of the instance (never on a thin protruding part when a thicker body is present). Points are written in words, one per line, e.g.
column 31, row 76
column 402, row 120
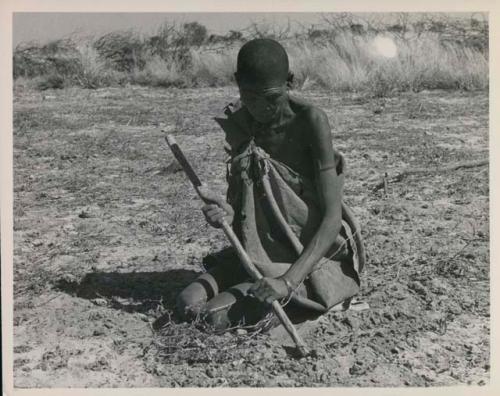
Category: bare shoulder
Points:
column 317, row 134
column 313, row 120
column 309, row 113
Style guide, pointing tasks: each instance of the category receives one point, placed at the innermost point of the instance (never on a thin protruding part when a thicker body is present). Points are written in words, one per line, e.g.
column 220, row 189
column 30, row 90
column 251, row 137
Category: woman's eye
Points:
column 273, row 100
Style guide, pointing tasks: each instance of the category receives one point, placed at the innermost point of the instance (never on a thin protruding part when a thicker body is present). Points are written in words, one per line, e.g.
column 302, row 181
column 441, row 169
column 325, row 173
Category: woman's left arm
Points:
column 330, row 180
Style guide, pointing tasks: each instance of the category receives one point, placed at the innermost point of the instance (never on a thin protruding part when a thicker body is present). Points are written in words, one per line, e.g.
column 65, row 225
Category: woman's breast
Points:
column 288, row 149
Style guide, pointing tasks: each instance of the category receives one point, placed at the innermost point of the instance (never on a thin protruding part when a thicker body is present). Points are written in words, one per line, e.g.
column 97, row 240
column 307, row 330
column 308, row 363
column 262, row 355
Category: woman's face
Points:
column 263, row 105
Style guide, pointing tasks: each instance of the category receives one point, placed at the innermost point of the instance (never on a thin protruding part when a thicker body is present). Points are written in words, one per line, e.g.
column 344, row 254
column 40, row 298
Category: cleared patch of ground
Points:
column 107, row 231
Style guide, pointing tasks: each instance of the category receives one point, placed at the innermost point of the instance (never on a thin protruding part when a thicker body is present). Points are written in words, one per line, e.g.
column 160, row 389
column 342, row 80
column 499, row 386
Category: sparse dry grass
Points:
column 351, row 64
column 336, row 58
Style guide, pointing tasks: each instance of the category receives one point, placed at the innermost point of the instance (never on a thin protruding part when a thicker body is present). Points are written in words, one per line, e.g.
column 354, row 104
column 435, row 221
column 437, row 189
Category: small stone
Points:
column 173, row 167
column 210, row 372
column 102, row 361
column 37, row 243
column 98, row 332
column 356, row 369
column 352, row 321
column 241, row 332
column 442, row 366
column 84, row 215
column 455, row 309
column 69, row 278
column 99, row 301
column 237, row 363
column 286, row 382
column 389, row 316
column 418, row 288
column 143, row 317
column 438, row 286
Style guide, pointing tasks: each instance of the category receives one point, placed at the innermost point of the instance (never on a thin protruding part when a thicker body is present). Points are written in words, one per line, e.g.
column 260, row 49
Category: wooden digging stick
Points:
column 235, row 242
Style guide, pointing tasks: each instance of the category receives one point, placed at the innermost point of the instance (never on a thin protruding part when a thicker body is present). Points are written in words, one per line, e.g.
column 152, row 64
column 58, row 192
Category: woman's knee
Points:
column 234, row 307
column 190, row 301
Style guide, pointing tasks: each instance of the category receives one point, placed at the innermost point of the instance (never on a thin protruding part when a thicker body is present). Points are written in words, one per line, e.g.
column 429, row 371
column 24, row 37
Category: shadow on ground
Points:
column 131, row 292
column 145, row 291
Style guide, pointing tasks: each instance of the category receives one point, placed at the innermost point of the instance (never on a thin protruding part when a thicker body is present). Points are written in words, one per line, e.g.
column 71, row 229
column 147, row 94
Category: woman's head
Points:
column 262, row 75
column 262, row 63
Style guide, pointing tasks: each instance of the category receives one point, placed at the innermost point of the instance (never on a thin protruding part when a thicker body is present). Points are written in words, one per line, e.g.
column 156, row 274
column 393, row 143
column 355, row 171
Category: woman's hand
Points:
column 216, row 208
column 269, row 289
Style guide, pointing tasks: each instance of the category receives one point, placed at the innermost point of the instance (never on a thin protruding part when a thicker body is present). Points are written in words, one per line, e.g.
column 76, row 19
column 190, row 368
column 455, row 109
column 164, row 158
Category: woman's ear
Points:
column 289, row 80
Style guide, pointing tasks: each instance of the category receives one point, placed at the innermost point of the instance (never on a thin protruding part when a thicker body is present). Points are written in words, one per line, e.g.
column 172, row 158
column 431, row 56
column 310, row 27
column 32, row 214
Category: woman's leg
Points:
column 235, row 306
column 191, row 301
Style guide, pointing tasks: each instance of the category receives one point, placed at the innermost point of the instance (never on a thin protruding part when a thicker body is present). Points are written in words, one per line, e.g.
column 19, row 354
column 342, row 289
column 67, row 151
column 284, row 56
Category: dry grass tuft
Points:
column 349, row 63
column 197, row 342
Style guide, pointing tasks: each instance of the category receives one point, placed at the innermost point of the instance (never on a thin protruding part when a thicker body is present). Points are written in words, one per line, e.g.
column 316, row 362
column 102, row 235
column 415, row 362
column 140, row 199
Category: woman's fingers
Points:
column 211, row 209
column 214, row 211
column 209, row 196
column 218, row 217
column 206, row 209
column 261, row 291
column 268, row 289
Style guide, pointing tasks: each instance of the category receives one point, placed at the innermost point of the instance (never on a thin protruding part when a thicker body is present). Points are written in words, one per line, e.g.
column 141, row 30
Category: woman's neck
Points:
column 283, row 116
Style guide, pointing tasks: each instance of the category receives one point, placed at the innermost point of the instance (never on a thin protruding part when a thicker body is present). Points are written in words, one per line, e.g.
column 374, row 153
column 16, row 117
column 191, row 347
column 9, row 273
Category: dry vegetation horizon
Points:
column 433, row 52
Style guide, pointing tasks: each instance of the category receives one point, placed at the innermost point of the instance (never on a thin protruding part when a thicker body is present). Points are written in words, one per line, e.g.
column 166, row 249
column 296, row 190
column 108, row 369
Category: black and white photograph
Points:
column 251, row 200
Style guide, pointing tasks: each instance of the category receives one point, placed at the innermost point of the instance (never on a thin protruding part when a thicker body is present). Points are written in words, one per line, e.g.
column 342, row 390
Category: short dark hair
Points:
column 262, row 61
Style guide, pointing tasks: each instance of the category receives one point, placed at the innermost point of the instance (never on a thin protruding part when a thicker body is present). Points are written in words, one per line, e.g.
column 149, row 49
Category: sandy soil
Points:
column 107, row 230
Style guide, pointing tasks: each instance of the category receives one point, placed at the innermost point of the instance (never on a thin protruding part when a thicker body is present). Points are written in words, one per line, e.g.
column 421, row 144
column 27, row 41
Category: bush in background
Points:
column 433, row 53
column 121, row 51
column 58, row 57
